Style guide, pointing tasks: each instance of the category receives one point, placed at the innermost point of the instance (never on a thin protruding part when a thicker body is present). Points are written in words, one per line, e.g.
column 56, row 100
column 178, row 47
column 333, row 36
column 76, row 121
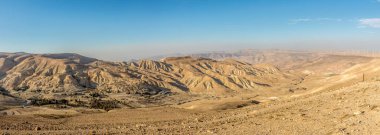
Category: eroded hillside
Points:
column 73, row 94
column 57, row 76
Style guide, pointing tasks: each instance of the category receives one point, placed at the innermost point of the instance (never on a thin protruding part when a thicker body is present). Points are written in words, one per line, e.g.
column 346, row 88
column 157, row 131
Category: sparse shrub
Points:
column 95, row 94
column 40, row 102
column 78, row 102
column 3, row 91
column 255, row 102
column 146, row 89
column 23, row 88
column 103, row 104
column 37, row 90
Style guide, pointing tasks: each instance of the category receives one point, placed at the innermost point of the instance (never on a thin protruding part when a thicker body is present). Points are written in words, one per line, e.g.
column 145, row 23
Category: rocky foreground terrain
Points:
column 73, row 94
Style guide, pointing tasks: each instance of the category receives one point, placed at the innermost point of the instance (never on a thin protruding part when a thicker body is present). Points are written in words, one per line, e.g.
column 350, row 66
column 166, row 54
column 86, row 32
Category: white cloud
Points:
column 329, row 19
column 304, row 20
column 301, row 20
column 370, row 22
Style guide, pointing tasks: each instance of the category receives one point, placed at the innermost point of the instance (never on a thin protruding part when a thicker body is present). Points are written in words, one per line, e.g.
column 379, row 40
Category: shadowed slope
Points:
column 57, row 73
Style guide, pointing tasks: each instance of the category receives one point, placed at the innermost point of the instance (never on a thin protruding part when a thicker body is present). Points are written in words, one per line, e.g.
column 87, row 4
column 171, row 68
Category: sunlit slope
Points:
column 55, row 73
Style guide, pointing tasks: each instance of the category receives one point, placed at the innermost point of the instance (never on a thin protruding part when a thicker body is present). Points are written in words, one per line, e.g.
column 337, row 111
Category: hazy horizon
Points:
column 121, row 30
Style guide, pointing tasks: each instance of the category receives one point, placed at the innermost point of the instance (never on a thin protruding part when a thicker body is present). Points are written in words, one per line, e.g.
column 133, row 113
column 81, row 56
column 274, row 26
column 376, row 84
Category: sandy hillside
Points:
column 350, row 110
column 334, row 94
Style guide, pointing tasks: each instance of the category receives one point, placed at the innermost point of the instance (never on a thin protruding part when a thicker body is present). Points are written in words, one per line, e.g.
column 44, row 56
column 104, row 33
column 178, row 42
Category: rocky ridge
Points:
column 57, row 73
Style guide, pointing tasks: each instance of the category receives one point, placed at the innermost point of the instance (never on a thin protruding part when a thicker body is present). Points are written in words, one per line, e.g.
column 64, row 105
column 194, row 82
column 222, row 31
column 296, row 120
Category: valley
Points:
column 258, row 93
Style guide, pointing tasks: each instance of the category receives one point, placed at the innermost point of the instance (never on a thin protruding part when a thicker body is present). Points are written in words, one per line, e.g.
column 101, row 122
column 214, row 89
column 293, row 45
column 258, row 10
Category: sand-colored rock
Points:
column 333, row 94
column 51, row 73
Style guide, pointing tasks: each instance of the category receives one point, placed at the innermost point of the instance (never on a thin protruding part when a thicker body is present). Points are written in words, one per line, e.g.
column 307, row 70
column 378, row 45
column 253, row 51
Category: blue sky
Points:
column 124, row 29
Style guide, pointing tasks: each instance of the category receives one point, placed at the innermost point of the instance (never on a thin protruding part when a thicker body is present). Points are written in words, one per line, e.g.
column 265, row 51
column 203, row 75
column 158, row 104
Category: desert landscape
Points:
column 250, row 92
column 189, row 67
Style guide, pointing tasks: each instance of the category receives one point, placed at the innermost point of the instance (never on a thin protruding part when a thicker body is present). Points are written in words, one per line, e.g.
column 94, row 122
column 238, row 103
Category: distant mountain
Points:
column 304, row 61
column 280, row 58
column 284, row 59
column 57, row 75
column 287, row 60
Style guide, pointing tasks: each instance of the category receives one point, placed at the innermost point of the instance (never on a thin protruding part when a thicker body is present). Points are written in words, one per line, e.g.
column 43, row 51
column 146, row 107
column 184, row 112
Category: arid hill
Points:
column 307, row 94
column 65, row 74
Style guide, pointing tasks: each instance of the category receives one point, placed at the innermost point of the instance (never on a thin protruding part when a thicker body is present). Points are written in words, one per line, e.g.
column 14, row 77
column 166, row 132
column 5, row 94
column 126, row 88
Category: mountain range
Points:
column 57, row 75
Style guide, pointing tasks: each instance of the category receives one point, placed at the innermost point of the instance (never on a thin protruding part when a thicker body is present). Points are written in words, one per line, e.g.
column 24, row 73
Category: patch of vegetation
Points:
column 145, row 89
column 53, row 116
column 3, row 91
column 40, row 102
column 37, row 90
column 78, row 103
column 253, row 102
column 96, row 95
column 103, row 104
column 2, row 108
column 23, row 88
